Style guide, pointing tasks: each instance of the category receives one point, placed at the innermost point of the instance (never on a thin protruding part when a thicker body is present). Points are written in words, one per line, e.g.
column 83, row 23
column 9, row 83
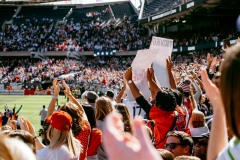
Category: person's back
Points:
column 61, row 153
column 43, row 114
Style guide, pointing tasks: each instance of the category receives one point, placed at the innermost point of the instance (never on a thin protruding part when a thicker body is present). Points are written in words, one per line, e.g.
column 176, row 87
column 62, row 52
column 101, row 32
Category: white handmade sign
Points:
column 160, row 50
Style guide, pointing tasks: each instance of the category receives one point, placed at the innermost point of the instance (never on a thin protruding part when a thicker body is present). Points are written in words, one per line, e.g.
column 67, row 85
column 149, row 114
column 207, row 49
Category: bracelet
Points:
column 54, row 97
column 35, row 138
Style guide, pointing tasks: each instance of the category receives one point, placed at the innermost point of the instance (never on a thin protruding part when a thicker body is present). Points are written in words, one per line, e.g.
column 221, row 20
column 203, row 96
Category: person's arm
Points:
column 134, row 90
column 192, row 99
column 198, row 91
column 170, row 74
column 153, row 87
column 73, row 99
column 121, row 93
column 198, row 80
column 218, row 136
column 56, row 90
column 27, row 126
column 141, row 101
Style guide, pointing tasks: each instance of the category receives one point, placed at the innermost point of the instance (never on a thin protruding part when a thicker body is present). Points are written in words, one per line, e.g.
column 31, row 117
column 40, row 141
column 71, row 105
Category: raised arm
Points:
column 134, row 90
column 218, row 137
column 27, row 126
column 198, row 91
column 198, row 80
column 153, row 87
column 73, row 99
column 170, row 74
column 121, row 93
column 56, row 90
column 141, row 101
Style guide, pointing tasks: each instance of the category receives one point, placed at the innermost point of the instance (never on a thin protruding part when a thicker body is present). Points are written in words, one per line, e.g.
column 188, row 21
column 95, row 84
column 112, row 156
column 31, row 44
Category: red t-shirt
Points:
column 163, row 122
column 83, row 138
column 95, row 141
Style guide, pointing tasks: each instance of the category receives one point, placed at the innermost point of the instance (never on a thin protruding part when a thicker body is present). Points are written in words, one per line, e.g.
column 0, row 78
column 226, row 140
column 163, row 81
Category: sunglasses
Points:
column 201, row 143
column 171, row 145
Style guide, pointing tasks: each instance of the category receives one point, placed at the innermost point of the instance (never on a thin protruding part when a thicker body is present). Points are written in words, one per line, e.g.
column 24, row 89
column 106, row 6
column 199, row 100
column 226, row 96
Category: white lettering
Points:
column 191, row 48
column 190, row 4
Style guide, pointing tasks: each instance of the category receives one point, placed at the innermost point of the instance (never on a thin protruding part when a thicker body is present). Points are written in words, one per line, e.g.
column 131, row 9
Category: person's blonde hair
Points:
column 198, row 119
column 103, row 108
column 230, row 88
column 12, row 148
column 22, row 135
column 58, row 138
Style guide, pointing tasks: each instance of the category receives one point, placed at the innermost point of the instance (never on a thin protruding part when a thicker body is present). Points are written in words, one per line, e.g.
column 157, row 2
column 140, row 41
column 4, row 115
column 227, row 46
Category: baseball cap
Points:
column 199, row 132
column 60, row 120
column 110, row 93
column 92, row 95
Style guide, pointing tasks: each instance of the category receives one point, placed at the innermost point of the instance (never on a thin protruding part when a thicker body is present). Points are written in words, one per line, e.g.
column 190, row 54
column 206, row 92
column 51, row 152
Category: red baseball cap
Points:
column 60, row 120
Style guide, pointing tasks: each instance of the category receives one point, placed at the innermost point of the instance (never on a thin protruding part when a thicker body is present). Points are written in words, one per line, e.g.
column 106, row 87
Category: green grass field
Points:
column 32, row 105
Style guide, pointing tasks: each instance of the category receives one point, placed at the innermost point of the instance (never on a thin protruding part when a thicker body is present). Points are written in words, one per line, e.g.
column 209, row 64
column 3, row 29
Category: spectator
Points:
column 201, row 145
column 95, row 139
column 62, row 143
column 4, row 119
column 162, row 112
column 179, row 143
column 103, row 108
column 24, row 136
column 123, row 110
column 110, row 94
column 165, row 154
column 81, row 127
column 12, row 148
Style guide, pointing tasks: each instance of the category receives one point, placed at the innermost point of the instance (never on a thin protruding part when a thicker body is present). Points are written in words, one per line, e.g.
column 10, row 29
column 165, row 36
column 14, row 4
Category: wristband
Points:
column 54, row 97
column 35, row 139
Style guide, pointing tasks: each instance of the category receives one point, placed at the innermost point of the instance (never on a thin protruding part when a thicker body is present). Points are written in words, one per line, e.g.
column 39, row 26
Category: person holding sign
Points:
column 162, row 110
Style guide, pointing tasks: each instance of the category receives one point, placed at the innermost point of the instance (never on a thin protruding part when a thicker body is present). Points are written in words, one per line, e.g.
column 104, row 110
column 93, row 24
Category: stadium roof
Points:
column 60, row 2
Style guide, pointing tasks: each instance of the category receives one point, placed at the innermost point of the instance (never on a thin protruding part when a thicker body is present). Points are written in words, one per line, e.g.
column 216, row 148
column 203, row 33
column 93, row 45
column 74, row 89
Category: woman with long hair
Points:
column 63, row 145
column 81, row 128
column 103, row 108
column 123, row 110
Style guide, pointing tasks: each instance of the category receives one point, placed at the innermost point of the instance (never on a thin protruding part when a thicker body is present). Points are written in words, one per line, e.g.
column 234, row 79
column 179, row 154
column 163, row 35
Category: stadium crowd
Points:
column 35, row 34
column 176, row 122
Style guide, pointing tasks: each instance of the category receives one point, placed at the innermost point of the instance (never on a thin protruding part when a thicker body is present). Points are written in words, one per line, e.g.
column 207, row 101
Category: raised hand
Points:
column 127, row 146
column 67, row 90
column 56, row 88
column 169, row 63
column 27, row 126
column 209, row 59
column 128, row 74
column 212, row 91
column 150, row 73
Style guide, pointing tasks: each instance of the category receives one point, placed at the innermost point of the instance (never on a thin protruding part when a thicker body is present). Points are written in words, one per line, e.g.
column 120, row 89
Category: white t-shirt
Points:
column 134, row 109
column 61, row 153
column 231, row 151
column 43, row 114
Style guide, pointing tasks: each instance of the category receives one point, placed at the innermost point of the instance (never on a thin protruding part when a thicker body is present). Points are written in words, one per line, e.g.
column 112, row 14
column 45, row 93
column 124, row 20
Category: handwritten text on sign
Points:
column 156, row 41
